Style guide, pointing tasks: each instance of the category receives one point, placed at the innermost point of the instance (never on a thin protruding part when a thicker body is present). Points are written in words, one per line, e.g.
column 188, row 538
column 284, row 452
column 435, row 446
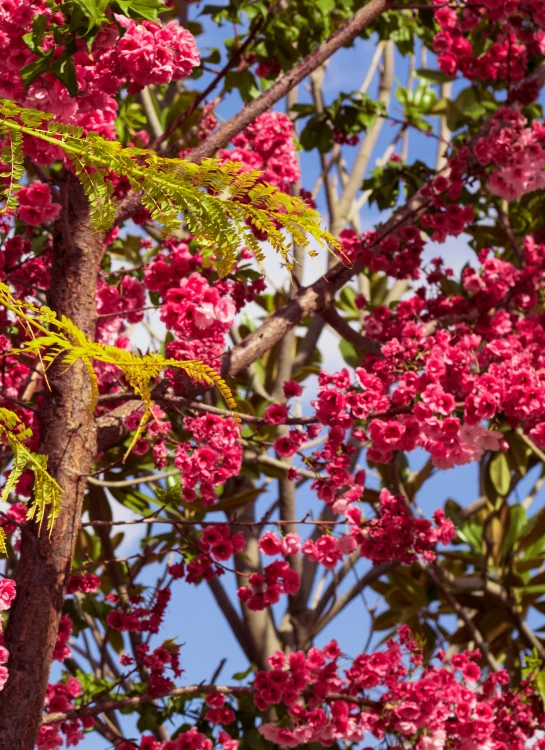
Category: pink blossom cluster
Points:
column 394, row 534
column 218, row 542
column 265, row 589
column 35, row 204
column 115, row 303
column 143, row 54
column 426, row 708
column 138, row 618
column 201, row 568
column 156, row 662
column 62, row 649
column 190, row 740
column 150, row 54
column 516, row 153
column 200, row 314
column 218, row 713
column 87, row 583
column 214, row 455
column 268, row 145
column 7, row 595
column 60, row 699
column 26, row 272
column 514, row 40
column 398, row 254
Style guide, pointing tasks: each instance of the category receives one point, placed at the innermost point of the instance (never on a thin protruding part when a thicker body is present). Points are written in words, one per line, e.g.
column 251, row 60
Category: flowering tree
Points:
column 245, row 466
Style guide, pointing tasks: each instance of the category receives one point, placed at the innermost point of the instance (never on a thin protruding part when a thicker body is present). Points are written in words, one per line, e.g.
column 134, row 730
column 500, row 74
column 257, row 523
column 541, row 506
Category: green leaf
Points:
column 500, row 473
column 90, row 10
column 317, row 133
column 433, row 75
column 141, row 9
column 33, row 40
column 239, row 676
column 348, row 353
column 244, row 82
column 35, row 69
column 63, row 68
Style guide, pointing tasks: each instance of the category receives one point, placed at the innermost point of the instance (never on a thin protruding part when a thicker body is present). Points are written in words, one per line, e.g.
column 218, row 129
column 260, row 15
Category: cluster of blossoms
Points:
column 399, row 253
column 87, row 583
column 214, row 455
column 515, row 41
column 393, row 535
column 191, row 740
column 265, row 589
column 123, row 52
column 200, row 314
column 7, row 595
column 516, row 152
column 125, row 300
column 138, row 618
column 26, row 271
column 62, row 649
column 429, row 708
column 150, row 54
column 218, row 542
column 199, row 311
column 268, row 145
column 60, row 699
column 35, row 204
column 156, row 662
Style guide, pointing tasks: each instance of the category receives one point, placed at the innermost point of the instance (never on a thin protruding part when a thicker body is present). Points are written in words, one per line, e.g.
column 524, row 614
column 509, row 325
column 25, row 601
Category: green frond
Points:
column 46, row 491
column 63, row 340
column 12, row 155
column 208, row 194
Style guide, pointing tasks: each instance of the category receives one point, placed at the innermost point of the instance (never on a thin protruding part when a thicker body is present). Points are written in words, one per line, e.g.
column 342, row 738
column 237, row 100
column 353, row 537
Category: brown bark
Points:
column 68, row 438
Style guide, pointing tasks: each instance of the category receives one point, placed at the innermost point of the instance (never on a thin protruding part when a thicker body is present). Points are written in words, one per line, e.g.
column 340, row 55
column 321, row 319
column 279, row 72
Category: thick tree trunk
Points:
column 68, row 438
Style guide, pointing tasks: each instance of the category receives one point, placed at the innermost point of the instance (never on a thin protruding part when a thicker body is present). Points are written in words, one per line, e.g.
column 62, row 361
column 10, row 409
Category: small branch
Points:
column 372, row 67
column 432, row 574
column 369, row 141
column 150, row 111
column 136, row 700
column 507, row 228
column 376, row 572
column 346, row 332
column 277, row 464
column 179, row 522
column 136, row 481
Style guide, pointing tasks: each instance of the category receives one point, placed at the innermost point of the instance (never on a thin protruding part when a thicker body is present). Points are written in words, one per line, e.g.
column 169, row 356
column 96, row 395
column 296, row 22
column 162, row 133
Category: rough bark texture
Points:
column 68, row 438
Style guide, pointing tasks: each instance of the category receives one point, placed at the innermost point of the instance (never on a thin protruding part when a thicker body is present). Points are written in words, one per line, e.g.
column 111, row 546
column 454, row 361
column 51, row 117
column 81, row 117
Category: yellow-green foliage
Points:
column 52, row 338
column 206, row 193
column 47, row 493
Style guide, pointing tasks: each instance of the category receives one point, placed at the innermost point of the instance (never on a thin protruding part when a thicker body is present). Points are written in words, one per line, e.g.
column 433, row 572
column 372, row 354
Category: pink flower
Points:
column 292, row 388
column 148, row 54
column 35, row 206
column 275, row 414
column 7, row 593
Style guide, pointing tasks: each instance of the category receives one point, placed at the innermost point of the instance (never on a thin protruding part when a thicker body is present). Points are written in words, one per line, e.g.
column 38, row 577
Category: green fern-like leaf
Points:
column 55, row 339
column 46, row 491
column 208, row 194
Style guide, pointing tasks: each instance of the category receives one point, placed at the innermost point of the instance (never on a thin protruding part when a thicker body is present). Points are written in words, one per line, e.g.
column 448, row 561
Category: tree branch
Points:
column 360, row 20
